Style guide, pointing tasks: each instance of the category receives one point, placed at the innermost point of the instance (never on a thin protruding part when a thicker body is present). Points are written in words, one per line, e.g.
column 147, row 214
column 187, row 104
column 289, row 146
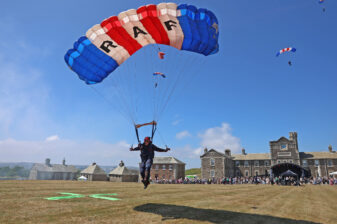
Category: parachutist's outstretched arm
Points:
column 137, row 148
column 160, row 149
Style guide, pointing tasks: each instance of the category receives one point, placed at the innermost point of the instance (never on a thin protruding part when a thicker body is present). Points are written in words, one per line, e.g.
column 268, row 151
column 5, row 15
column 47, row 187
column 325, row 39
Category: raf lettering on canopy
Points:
column 106, row 44
column 169, row 24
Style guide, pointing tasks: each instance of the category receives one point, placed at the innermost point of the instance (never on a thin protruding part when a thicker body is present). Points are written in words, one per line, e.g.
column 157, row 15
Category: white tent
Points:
column 333, row 173
column 82, row 178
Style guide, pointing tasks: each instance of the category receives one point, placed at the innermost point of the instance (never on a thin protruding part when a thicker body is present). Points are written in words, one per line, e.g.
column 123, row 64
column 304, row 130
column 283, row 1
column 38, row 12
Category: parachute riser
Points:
column 154, row 128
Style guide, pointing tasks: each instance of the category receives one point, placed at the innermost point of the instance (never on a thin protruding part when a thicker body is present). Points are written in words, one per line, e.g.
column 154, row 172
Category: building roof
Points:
column 251, row 156
column 93, row 169
column 212, row 151
column 167, row 160
column 42, row 167
column 122, row 170
column 318, row 155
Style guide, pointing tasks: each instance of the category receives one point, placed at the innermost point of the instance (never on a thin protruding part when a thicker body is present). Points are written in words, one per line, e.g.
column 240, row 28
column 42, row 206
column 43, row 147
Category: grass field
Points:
column 23, row 202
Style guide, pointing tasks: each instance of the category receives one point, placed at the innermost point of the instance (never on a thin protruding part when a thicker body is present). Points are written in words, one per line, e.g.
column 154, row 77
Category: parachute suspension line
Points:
column 180, row 77
column 111, row 104
column 178, row 74
column 161, row 138
column 120, row 87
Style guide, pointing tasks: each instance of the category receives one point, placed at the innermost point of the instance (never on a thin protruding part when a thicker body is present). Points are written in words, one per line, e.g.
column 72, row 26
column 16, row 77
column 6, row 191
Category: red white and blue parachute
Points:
column 160, row 74
column 288, row 49
column 108, row 44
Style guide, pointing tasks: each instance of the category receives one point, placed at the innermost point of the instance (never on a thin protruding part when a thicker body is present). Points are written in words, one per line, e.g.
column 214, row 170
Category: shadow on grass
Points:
column 211, row 215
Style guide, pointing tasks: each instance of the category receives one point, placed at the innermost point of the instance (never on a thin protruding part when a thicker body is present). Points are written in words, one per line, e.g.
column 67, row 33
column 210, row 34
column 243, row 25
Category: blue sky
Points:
column 241, row 97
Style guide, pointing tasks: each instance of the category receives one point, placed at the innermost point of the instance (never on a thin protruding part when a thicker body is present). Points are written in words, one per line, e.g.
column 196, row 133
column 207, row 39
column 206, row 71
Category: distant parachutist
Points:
column 161, row 55
column 289, row 63
column 155, row 85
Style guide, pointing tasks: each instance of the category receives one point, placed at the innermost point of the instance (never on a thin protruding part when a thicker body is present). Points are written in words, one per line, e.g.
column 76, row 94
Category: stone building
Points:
column 168, row 168
column 284, row 155
column 48, row 171
column 123, row 174
column 94, row 173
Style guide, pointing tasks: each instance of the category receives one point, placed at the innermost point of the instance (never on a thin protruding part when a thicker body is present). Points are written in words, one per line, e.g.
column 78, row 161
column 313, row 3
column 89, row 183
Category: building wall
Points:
column 253, row 167
column 124, row 178
column 95, row 177
column 208, row 167
column 324, row 166
column 163, row 171
column 285, row 150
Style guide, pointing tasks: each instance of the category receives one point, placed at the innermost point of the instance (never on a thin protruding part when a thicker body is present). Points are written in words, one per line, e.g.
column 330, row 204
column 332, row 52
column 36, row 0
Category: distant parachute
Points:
column 320, row 2
column 288, row 49
column 159, row 73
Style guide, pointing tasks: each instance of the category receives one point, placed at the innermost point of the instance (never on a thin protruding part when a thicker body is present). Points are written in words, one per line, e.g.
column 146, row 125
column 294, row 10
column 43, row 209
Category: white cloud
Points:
column 220, row 138
column 75, row 152
column 176, row 122
column 183, row 134
column 52, row 138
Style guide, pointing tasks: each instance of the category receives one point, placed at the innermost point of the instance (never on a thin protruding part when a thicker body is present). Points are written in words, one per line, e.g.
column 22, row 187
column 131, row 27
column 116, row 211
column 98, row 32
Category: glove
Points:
column 167, row 149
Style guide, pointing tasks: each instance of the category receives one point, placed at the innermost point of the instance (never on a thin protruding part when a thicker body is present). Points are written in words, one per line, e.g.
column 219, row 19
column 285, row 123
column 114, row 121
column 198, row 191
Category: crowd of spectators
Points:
column 253, row 180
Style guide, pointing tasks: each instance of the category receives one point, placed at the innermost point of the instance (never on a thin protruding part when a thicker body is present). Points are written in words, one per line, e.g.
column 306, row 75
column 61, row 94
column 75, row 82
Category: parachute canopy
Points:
column 159, row 73
column 108, row 44
column 286, row 50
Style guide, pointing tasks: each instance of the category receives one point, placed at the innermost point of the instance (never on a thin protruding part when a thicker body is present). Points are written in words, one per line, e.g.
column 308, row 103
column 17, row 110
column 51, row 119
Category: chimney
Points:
column 48, row 162
column 243, row 152
column 228, row 152
column 93, row 163
column 205, row 150
column 64, row 162
column 330, row 148
column 293, row 137
column 121, row 164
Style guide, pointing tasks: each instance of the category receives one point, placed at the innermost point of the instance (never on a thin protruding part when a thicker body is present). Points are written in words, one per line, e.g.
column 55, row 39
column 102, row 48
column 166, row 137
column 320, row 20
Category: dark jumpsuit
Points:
column 147, row 154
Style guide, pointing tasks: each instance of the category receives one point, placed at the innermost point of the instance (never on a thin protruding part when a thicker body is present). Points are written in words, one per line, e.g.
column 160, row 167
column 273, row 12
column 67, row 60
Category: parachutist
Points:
column 155, row 85
column 147, row 153
column 289, row 63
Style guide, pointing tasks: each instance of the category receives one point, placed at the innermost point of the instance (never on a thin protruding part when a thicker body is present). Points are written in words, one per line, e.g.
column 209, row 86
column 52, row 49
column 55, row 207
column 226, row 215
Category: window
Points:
column 237, row 163
column 212, row 173
column 290, row 161
column 256, row 163
column 164, row 167
column 284, row 147
column 157, row 167
column 246, row 163
column 170, row 167
column 330, row 162
column 316, row 162
column 266, row 163
column 305, row 162
column 247, row 173
column 238, row 173
column 212, row 162
column 278, row 161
